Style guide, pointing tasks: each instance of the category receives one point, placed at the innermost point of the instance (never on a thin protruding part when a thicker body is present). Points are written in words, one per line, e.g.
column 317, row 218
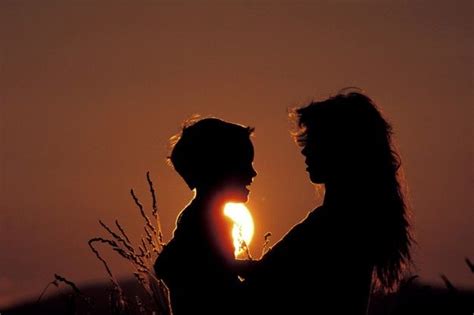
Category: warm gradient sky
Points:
column 91, row 91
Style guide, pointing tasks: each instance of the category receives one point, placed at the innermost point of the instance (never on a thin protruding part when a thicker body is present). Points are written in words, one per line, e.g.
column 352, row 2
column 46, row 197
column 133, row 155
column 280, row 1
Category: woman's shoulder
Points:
column 315, row 216
column 303, row 230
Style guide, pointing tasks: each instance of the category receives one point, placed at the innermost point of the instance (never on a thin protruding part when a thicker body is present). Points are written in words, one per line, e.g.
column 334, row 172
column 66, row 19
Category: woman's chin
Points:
column 316, row 178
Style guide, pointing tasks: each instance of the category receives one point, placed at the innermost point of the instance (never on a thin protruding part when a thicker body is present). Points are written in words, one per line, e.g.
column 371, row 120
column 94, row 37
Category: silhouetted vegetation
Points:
column 152, row 299
column 413, row 297
column 141, row 257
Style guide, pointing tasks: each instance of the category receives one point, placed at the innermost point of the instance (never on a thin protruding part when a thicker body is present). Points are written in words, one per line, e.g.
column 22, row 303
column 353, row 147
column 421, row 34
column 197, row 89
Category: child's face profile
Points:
column 237, row 173
column 215, row 158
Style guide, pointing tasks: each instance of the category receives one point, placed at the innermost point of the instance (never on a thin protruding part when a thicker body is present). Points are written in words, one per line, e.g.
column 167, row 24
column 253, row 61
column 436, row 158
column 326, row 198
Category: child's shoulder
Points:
column 190, row 214
column 189, row 222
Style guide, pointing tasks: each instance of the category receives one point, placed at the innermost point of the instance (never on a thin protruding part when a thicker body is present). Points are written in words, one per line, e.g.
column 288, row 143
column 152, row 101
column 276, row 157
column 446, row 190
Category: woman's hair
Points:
column 360, row 147
column 205, row 147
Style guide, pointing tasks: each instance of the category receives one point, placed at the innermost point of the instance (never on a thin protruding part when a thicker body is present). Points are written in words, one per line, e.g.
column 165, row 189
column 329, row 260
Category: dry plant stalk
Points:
column 266, row 243
column 58, row 279
column 141, row 257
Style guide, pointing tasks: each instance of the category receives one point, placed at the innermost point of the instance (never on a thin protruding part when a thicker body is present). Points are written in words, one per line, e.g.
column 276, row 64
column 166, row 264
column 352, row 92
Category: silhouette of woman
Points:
column 359, row 236
column 214, row 158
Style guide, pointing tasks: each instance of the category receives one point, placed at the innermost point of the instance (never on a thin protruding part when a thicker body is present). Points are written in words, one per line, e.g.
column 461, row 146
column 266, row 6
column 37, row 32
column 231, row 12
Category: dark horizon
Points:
column 436, row 300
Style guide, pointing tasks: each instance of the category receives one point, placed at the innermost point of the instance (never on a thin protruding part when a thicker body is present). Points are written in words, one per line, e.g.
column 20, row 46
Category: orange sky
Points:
column 91, row 92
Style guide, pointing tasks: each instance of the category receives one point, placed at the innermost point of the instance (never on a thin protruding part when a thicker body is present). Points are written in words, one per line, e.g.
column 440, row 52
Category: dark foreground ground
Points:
column 412, row 298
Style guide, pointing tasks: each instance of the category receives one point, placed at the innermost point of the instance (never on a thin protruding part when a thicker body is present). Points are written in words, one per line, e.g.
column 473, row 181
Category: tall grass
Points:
column 141, row 256
column 73, row 299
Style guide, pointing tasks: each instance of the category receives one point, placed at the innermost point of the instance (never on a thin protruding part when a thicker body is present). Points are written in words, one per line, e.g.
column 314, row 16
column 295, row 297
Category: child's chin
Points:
column 240, row 197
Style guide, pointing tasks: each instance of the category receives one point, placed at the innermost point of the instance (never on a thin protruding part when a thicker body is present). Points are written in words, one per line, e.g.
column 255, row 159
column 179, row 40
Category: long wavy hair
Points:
column 359, row 141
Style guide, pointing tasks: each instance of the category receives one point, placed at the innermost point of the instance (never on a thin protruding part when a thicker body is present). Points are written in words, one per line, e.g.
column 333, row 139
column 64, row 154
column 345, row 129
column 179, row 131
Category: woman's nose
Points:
column 304, row 151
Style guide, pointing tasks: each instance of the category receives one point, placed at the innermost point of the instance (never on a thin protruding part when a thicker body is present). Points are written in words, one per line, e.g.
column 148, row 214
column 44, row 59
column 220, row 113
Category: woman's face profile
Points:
column 316, row 158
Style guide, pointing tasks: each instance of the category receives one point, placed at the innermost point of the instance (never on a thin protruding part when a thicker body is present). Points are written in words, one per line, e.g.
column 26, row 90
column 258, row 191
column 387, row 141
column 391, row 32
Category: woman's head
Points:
column 345, row 138
column 214, row 155
column 347, row 143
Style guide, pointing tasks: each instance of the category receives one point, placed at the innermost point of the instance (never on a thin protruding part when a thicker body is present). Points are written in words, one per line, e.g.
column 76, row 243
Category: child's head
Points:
column 215, row 156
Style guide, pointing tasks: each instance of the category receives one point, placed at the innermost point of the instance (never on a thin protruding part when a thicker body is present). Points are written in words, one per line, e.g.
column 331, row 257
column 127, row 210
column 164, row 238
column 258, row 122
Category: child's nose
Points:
column 253, row 172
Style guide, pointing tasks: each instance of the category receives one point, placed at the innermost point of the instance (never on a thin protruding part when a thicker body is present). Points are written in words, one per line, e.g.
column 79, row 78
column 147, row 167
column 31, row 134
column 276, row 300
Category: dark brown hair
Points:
column 360, row 143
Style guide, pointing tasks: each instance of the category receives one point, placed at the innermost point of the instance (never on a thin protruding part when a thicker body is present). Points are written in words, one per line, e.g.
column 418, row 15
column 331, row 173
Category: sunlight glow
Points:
column 242, row 232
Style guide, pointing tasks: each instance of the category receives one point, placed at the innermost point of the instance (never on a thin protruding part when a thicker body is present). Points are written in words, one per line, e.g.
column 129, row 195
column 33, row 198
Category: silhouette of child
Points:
column 359, row 236
column 214, row 158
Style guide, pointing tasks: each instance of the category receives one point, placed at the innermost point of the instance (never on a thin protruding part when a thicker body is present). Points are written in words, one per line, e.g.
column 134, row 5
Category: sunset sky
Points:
column 90, row 93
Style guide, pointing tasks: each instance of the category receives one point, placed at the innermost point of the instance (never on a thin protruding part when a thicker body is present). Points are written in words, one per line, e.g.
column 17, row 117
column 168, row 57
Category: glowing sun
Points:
column 243, row 225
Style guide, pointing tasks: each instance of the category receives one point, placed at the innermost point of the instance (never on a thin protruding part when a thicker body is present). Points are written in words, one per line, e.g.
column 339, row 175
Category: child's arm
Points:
column 245, row 267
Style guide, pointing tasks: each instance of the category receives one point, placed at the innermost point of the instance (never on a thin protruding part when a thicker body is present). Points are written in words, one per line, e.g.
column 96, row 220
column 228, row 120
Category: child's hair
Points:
column 203, row 148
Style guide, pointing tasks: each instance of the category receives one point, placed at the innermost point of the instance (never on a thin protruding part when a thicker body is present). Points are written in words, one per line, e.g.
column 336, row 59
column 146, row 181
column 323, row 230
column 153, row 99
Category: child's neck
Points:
column 209, row 200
